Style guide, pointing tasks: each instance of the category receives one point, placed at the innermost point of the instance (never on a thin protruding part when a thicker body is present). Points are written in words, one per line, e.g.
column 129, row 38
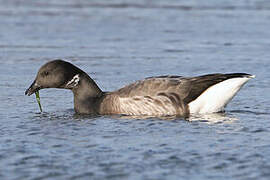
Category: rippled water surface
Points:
column 118, row 42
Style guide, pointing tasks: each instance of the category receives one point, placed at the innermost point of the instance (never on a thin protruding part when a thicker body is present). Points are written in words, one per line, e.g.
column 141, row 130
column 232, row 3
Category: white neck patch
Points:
column 74, row 81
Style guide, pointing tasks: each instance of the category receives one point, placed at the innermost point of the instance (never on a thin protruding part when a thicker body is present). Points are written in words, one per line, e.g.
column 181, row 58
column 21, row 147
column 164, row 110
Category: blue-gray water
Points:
column 118, row 42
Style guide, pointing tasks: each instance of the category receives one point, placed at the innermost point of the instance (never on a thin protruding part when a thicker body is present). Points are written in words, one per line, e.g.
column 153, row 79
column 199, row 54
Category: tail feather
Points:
column 217, row 96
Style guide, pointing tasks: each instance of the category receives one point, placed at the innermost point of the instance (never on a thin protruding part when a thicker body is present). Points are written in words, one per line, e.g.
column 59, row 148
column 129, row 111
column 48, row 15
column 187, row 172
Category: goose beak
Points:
column 32, row 89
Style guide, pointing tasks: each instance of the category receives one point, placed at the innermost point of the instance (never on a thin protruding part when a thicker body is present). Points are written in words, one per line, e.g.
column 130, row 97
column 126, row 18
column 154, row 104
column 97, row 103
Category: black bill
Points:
column 32, row 89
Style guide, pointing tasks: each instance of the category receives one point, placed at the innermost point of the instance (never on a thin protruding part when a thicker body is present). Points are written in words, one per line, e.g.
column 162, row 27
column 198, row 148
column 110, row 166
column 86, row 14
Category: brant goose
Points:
column 153, row 96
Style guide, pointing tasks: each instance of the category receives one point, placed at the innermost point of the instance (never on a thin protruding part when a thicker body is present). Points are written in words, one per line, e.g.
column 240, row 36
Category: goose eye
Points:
column 45, row 73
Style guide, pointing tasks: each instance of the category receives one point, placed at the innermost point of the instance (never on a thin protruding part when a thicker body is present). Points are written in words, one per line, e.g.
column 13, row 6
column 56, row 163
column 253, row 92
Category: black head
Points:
column 55, row 74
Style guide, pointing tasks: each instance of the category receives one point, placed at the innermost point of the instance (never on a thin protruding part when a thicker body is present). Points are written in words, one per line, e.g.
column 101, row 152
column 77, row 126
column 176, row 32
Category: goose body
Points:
column 154, row 96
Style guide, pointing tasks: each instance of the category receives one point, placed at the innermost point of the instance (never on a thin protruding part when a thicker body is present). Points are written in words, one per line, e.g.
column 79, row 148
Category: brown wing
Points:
column 154, row 86
column 186, row 88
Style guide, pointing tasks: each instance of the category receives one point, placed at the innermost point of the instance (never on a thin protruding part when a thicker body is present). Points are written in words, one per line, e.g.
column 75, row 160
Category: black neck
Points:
column 86, row 95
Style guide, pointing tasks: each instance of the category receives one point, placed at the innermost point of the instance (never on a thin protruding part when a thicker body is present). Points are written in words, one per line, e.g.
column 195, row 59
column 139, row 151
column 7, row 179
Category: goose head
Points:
column 56, row 74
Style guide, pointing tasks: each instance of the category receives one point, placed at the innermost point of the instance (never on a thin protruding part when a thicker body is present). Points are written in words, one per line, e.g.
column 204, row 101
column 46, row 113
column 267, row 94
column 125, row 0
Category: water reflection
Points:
column 213, row 118
column 209, row 118
column 71, row 115
column 148, row 117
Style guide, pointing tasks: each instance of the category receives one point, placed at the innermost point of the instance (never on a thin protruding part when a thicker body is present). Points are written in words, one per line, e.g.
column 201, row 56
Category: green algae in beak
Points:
column 38, row 100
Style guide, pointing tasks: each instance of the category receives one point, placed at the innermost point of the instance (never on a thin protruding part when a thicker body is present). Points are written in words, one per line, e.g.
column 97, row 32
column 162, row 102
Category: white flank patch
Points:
column 74, row 81
column 215, row 98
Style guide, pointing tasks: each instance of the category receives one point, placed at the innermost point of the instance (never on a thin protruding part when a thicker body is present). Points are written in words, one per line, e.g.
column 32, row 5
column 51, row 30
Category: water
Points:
column 118, row 42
